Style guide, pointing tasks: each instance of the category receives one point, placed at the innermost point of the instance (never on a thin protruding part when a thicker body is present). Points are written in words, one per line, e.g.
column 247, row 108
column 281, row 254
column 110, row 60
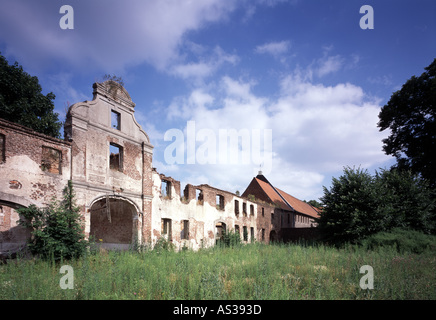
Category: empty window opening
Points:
column 237, row 229
column 220, row 229
column 2, row 148
column 2, row 215
column 245, row 233
column 166, row 229
column 263, row 212
column 166, row 189
column 244, row 209
column 237, row 208
column 251, row 209
column 115, row 120
column 116, row 157
column 51, row 160
column 263, row 235
column 219, row 202
column 199, row 196
column 184, row 234
column 252, row 234
column 272, row 217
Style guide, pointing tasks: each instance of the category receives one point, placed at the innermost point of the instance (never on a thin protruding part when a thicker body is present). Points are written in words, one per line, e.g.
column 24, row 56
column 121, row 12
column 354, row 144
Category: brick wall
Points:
column 24, row 173
column 34, row 170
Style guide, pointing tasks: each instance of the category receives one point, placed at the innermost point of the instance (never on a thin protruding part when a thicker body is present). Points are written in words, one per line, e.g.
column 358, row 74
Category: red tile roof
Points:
column 299, row 205
column 285, row 200
column 272, row 194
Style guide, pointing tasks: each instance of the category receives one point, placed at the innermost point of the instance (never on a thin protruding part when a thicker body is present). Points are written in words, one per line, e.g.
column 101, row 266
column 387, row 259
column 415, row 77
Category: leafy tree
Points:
column 350, row 204
column 405, row 200
column 21, row 100
column 314, row 203
column 359, row 205
column 410, row 115
column 57, row 232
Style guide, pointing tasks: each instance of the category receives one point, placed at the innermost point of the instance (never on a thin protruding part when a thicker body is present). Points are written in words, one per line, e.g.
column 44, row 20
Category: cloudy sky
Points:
column 300, row 82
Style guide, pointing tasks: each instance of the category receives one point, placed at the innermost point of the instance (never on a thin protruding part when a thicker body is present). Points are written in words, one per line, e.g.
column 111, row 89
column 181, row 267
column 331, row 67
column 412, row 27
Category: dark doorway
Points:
column 112, row 222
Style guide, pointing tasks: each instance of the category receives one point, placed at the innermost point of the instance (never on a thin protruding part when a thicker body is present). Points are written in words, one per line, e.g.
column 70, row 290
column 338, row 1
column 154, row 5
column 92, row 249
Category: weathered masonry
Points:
column 198, row 217
column 34, row 169
column 111, row 166
column 291, row 218
column 123, row 199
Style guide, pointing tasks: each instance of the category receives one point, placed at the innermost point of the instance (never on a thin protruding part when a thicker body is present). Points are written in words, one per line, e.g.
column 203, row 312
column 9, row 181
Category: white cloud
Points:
column 385, row 80
column 316, row 130
column 196, row 70
column 209, row 63
column 274, row 48
column 107, row 34
column 186, row 108
column 329, row 65
column 250, row 6
column 327, row 127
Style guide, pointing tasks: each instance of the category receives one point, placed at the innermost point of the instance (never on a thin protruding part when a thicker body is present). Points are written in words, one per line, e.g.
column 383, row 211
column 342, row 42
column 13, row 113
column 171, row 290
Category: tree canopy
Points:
column 410, row 116
column 22, row 102
column 358, row 205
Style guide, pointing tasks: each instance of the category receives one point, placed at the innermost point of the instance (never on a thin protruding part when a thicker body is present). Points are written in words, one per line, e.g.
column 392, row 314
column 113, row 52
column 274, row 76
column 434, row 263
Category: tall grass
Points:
column 252, row 271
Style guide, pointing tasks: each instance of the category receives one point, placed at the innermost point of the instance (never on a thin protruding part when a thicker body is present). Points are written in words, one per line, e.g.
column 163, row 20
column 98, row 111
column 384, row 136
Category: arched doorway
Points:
column 12, row 235
column 114, row 222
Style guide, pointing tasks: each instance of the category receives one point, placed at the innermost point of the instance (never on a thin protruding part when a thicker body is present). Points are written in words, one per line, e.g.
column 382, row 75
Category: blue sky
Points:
column 304, row 70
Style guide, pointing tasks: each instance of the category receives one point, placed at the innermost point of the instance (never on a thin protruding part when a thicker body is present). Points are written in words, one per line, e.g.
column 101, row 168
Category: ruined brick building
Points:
column 123, row 199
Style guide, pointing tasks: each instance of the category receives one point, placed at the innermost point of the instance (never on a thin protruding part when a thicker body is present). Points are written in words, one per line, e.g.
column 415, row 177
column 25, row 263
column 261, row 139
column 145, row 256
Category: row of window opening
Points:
column 51, row 158
column 244, row 209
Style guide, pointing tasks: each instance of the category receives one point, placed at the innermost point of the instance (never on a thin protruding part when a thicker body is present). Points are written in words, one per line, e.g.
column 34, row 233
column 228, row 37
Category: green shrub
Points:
column 404, row 241
column 359, row 205
column 56, row 230
column 229, row 239
column 163, row 244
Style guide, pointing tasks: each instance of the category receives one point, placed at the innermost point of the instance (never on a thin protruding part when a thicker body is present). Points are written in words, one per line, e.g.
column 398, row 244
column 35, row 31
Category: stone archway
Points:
column 114, row 222
column 12, row 235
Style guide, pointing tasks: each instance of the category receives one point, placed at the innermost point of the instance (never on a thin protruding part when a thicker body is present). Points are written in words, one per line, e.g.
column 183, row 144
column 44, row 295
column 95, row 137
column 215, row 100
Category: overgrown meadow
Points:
column 254, row 271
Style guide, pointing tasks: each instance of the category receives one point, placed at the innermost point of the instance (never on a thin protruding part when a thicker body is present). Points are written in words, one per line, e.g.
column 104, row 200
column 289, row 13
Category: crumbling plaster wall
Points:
column 133, row 187
column 25, row 178
column 203, row 215
column 91, row 129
